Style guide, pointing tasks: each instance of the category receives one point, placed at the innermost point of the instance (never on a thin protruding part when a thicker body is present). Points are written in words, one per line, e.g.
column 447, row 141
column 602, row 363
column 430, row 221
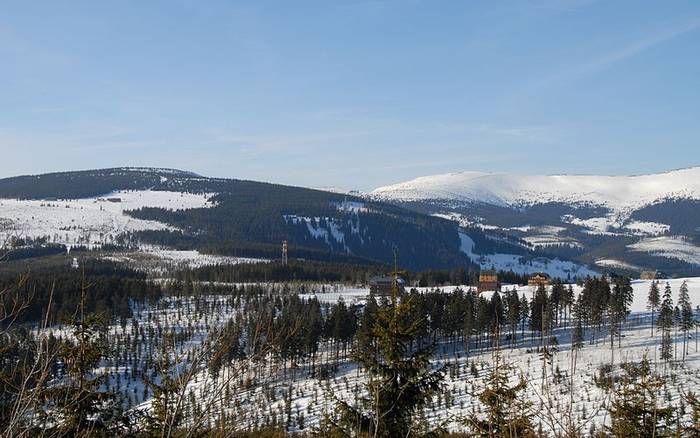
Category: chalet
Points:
column 488, row 280
column 382, row 285
column 539, row 278
column 652, row 275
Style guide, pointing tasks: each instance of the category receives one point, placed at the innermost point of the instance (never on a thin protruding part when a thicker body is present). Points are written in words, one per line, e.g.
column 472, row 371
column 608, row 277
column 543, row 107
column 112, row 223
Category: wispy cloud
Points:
column 608, row 59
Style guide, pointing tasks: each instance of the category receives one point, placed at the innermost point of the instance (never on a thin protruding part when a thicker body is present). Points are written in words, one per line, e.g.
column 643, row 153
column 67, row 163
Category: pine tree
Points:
column 557, row 298
column 653, row 302
column 469, row 323
column 538, row 311
column 635, row 411
column 619, row 307
column 513, row 305
column 692, row 429
column 167, row 412
column 77, row 403
column 506, row 413
column 687, row 319
column 400, row 378
column 78, row 400
column 524, row 313
column 568, row 301
column 665, row 323
column 365, row 340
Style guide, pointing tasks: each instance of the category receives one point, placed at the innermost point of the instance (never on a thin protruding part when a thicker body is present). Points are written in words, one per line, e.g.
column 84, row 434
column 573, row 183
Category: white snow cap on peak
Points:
column 616, row 192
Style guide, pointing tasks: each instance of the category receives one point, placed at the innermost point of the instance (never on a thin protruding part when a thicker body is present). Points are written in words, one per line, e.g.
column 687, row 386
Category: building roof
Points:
column 384, row 280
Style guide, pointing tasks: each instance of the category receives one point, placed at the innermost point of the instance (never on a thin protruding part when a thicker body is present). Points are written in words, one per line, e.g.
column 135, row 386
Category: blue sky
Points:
column 350, row 93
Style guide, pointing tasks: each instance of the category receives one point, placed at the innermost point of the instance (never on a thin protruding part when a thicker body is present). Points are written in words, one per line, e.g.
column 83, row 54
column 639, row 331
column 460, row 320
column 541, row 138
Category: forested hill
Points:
column 251, row 219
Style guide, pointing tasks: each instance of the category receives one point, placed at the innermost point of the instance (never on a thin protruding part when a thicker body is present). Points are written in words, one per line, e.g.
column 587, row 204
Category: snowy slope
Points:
column 91, row 220
column 674, row 247
column 522, row 265
column 618, row 193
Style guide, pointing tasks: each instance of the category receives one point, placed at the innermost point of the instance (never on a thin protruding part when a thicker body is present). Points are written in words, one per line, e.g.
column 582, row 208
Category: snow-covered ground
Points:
column 332, row 293
column 91, row 220
column 157, row 260
column 619, row 193
column 270, row 391
column 676, row 247
column 352, row 206
column 647, row 228
column 594, row 225
column 613, row 263
column 328, row 229
column 522, row 265
column 461, row 219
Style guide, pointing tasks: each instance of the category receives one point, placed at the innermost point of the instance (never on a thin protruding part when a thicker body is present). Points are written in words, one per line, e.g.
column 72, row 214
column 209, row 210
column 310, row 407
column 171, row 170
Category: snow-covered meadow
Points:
column 90, row 221
column 157, row 260
column 267, row 392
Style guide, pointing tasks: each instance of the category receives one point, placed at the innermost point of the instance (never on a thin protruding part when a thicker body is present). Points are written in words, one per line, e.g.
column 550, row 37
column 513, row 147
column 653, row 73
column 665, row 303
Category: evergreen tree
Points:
column 653, row 301
column 167, row 413
column 665, row 324
column 539, row 309
column 400, row 378
column 514, row 309
column 365, row 340
column 506, row 414
column 692, row 429
column 620, row 301
column 78, row 404
column 469, row 323
column 524, row 313
column 557, row 298
column 635, row 411
column 687, row 320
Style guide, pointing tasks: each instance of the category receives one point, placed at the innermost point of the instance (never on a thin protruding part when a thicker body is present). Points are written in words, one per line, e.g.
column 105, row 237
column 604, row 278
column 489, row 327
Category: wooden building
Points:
column 652, row 275
column 538, row 278
column 381, row 285
column 488, row 280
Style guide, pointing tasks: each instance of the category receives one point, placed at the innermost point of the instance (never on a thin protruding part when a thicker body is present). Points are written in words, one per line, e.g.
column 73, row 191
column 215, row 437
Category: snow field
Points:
column 619, row 193
column 267, row 391
column 521, row 265
column 90, row 220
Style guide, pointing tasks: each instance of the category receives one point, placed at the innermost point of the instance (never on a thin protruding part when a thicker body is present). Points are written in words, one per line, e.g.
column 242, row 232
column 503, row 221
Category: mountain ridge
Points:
column 512, row 189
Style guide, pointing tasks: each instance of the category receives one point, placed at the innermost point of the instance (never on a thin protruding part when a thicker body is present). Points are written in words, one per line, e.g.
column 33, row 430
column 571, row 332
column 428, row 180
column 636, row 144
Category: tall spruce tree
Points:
column 687, row 320
column 400, row 379
column 514, row 308
column 538, row 311
column 665, row 324
column 619, row 304
column 653, row 301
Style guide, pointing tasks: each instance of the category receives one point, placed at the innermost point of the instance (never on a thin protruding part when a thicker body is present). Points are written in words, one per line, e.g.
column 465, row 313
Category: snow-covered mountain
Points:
column 141, row 208
column 641, row 222
column 506, row 189
column 568, row 226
